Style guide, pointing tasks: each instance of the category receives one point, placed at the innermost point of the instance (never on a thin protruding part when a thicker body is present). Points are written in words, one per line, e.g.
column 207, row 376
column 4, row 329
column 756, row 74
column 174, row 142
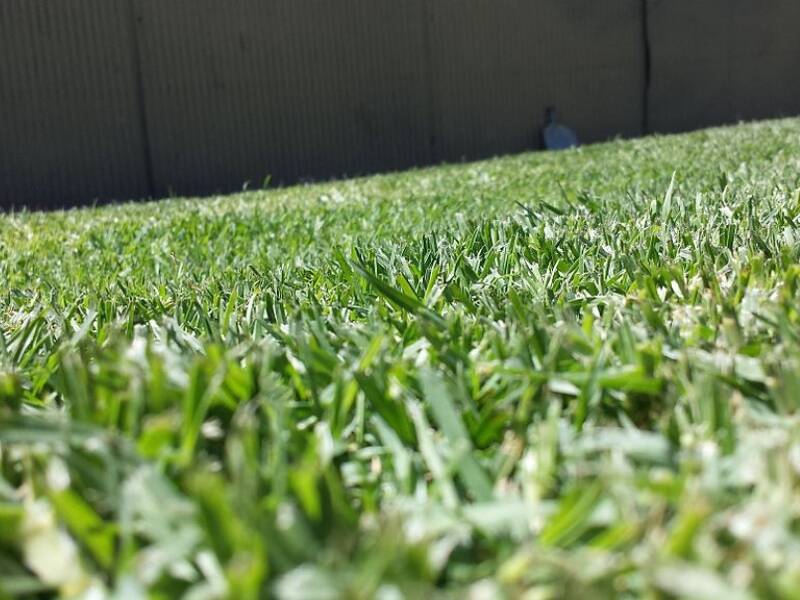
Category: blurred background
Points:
column 118, row 99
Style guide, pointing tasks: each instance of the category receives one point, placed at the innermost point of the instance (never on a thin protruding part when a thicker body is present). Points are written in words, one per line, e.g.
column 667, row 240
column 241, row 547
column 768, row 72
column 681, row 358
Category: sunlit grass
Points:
column 542, row 376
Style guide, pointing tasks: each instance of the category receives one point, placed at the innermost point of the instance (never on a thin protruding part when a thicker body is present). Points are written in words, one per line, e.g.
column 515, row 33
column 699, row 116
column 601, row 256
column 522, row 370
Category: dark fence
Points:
column 117, row 99
column 720, row 61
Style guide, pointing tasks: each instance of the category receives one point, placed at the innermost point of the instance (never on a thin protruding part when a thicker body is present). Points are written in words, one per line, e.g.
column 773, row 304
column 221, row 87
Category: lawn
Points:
column 552, row 375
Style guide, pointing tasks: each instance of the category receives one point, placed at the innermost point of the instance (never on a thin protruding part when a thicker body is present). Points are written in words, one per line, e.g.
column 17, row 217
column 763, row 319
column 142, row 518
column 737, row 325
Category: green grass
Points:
column 544, row 376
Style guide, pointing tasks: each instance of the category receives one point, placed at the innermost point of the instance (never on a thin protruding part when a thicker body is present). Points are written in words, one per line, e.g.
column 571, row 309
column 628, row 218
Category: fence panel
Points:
column 237, row 90
column 69, row 121
column 719, row 61
column 498, row 63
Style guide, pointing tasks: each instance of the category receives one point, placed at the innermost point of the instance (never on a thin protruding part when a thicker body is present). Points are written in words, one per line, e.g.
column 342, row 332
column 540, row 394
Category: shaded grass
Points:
column 549, row 375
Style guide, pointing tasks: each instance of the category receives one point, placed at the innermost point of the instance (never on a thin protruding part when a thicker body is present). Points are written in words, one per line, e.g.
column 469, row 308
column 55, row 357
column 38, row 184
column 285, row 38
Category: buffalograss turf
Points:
column 544, row 376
